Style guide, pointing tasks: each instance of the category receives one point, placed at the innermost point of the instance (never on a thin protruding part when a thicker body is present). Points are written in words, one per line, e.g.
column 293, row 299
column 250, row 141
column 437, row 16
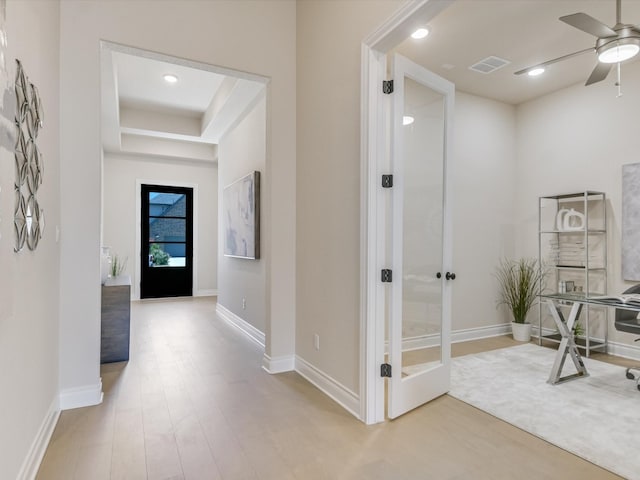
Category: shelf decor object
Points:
column 631, row 222
column 28, row 218
column 572, row 246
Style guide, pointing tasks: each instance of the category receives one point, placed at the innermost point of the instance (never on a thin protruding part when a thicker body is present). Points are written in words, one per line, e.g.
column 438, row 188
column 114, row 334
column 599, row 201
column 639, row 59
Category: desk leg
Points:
column 567, row 345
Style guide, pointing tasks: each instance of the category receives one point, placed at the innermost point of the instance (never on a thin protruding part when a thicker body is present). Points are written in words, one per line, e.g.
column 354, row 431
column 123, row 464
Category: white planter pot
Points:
column 521, row 331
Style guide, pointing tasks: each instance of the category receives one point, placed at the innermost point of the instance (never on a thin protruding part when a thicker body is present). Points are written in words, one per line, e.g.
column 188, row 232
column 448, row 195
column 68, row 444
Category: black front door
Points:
column 167, row 242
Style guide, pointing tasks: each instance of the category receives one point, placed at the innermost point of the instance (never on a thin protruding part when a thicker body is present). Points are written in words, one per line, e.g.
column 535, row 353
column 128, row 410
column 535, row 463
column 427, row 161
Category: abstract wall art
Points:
column 241, row 210
column 631, row 222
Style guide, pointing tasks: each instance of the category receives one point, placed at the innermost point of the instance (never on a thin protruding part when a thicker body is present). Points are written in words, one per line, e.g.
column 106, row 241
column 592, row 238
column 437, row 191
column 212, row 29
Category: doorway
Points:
column 379, row 253
column 166, row 249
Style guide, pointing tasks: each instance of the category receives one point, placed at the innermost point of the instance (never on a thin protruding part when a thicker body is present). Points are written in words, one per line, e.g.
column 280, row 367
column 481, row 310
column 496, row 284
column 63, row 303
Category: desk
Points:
column 567, row 343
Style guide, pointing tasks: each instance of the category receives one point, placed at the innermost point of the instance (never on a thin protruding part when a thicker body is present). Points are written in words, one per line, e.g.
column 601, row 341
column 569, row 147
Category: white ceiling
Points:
column 524, row 32
column 143, row 114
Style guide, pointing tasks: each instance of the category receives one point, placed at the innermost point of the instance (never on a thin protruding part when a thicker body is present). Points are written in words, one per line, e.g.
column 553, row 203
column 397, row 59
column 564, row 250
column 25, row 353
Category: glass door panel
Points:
column 423, row 142
column 420, row 324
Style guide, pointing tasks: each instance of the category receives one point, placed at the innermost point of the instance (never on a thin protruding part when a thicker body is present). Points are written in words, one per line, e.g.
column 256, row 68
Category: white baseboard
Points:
column 206, row 293
column 348, row 399
column 616, row 349
column 40, row 443
column 242, row 325
column 480, row 332
column 81, row 396
column 457, row 336
column 281, row 364
column 624, row 350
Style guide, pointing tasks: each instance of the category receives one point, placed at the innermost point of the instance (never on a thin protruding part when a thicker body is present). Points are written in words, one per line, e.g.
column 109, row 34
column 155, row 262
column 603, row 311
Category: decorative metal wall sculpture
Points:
column 28, row 216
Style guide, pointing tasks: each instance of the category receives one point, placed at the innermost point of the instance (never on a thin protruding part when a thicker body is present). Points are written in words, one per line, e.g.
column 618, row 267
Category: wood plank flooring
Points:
column 193, row 403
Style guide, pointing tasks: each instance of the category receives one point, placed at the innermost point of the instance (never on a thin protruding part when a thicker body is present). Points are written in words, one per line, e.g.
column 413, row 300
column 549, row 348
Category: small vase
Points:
column 521, row 331
column 105, row 264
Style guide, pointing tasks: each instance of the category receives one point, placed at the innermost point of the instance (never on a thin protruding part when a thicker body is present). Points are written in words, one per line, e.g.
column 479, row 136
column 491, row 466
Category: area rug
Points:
column 595, row 417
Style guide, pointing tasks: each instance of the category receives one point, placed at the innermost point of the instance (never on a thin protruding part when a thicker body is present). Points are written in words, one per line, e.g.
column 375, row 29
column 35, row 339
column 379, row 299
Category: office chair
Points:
column 627, row 321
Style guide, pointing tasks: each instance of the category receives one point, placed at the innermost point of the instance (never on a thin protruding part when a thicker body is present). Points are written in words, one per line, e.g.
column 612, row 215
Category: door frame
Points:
column 180, row 277
column 374, row 162
column 194, row 186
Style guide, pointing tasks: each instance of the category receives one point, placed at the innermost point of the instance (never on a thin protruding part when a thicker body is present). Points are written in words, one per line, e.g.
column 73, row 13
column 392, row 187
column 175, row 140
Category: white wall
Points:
column 240, row 152
column 29, row 281
column 574, row 140
column 484, row 190
column 253, row 36
column 328, row 179
column 122, row 174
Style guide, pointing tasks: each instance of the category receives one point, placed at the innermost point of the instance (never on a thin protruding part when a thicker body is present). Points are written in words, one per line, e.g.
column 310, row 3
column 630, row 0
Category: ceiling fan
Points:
column 613, row 45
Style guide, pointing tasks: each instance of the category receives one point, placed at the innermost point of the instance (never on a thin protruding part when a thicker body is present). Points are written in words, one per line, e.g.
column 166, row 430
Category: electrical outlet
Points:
column 244, row 303
column 316, row 341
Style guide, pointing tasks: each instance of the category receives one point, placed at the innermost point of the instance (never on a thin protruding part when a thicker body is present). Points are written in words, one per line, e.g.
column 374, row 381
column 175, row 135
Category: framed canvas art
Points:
column 631, row 222
column 241, row 210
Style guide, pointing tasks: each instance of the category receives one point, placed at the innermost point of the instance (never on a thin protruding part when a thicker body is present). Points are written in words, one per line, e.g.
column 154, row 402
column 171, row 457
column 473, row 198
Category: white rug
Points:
column 596, row 417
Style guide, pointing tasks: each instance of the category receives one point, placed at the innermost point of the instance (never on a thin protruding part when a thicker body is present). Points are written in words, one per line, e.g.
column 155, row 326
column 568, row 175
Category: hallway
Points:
column 193, row 403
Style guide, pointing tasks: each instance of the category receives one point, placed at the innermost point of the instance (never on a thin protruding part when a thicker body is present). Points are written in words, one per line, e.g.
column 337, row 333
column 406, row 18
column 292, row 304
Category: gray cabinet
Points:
column 115, row 326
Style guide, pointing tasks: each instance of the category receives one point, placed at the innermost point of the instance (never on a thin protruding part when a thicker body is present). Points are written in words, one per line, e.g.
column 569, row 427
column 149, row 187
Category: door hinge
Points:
column 385, row 370
column 386, row 275
column 387, row 86
column 387, row 181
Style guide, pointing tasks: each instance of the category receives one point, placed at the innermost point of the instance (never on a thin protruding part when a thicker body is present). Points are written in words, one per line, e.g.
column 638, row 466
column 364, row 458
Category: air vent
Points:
column 489, row 64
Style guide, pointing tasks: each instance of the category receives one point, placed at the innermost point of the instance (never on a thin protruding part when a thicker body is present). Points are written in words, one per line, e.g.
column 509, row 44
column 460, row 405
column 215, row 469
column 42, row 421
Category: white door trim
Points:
column 373, row 160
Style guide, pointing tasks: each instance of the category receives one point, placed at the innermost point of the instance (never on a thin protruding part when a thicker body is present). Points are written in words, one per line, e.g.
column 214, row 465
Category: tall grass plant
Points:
column 520, row 283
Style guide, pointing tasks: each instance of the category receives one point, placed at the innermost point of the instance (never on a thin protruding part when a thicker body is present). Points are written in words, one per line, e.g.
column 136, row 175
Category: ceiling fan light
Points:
column 619, row 53
column 534, row 72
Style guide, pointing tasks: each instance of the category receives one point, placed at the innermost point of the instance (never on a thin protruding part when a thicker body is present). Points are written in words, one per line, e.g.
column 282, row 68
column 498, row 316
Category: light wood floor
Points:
column 193, row 403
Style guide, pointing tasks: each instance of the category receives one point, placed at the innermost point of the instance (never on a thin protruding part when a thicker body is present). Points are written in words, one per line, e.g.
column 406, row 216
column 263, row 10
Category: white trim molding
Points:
column 457, row 336
column 206, row 293
column 81, row 396
column 241, row 325
column 345, row 397
column 477, row 333
column 281, row 364
column 623, row 350
column 40, row 443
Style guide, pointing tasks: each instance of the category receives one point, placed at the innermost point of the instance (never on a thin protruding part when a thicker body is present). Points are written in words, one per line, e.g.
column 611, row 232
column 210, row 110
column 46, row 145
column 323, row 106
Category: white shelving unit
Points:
column 572, row 247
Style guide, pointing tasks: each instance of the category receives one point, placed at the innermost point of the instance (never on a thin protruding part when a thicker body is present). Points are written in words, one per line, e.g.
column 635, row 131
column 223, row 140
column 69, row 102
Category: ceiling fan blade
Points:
column 555, row 60
column 599, row 73
column 588, row 24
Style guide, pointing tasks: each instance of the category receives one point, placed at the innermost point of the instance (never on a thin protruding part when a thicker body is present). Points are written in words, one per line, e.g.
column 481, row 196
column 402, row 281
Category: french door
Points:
column 167, row 241
column 420, row 301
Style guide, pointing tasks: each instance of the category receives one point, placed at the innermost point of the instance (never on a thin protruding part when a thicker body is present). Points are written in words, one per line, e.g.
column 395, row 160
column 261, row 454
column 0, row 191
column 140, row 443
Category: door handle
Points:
column 438, row 275
column 450, row 276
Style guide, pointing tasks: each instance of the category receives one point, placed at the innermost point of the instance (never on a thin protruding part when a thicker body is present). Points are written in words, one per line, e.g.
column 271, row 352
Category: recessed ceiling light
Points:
column 420, row 33
column 534, row 72
column 407, row 120
column 170, row 78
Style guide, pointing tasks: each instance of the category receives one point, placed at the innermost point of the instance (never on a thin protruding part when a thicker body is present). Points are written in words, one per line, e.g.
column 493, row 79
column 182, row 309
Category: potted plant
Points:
column 117, row 266
column 520, row 284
